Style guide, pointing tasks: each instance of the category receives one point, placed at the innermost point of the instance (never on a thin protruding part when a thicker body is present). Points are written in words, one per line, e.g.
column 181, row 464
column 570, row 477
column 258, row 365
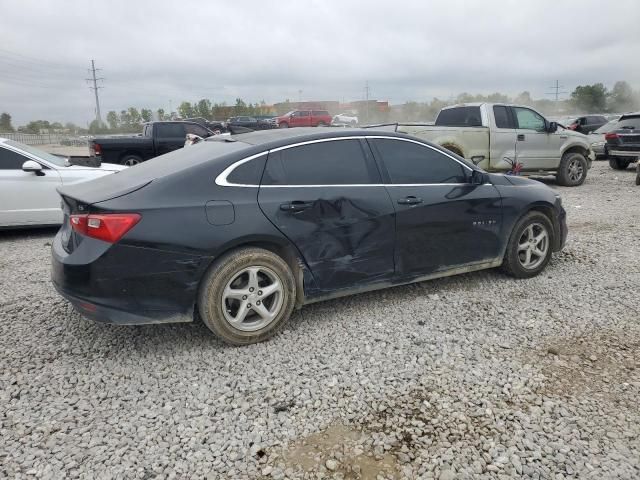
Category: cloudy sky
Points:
column 158, row 53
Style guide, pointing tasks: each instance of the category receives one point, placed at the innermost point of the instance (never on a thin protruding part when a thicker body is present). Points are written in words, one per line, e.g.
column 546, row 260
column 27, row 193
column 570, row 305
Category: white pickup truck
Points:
column 496, row 137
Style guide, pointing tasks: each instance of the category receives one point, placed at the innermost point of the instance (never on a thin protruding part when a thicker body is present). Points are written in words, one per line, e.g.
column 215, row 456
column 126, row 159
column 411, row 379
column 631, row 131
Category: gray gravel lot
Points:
column 477, row 376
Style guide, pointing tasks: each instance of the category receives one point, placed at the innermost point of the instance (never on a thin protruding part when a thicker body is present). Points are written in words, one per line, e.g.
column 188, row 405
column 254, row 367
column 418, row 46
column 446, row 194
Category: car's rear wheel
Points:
column 246, row 296
column 618, row 163
column 530, row 246
column 573, row 169
column 130, row 160
column 322, row 124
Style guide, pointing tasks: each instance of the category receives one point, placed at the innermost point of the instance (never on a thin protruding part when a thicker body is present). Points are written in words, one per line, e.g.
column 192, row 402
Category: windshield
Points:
column 36, row 152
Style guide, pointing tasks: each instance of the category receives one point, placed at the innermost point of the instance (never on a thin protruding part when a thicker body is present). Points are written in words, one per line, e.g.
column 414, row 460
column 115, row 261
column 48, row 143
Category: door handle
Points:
column 410, row 200
column 295, row 206
column 521, row 137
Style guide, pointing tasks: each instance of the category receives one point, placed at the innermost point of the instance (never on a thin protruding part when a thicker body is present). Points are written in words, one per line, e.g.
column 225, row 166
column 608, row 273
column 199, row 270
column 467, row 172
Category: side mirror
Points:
column 553, row 127
column 31, row 166
column 477, row 177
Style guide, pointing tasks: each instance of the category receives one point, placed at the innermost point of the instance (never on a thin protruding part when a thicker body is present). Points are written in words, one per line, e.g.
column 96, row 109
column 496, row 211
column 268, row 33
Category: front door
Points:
column 503, row 140
column 27, row 198
column 442, row 221
column 327, row 198
column 536, row 148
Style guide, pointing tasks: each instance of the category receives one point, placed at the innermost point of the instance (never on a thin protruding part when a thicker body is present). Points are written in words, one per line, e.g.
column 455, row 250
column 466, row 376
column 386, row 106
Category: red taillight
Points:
column 573, row 126
column 97, row 149
column 109, row 227
column 611, row 136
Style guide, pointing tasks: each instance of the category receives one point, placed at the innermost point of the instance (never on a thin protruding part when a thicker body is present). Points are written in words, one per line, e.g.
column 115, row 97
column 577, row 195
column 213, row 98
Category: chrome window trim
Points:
column 222, row 181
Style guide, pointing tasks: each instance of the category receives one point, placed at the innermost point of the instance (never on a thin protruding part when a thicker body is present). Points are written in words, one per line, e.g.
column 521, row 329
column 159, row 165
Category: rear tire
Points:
column 517, row 262
column 322, row 124
column 572, row 170
column 618, row 163
column 130, row 160
column 638, row 173
column 231, row 301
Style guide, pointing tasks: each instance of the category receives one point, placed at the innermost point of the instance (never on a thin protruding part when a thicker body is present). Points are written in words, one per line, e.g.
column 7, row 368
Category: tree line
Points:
column 594, row 98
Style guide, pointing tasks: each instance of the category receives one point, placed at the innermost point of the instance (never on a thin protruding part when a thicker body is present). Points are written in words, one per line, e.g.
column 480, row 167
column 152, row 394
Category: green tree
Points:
column 134, row 115
column 240, row 108
column 37, row 126
column 113, row 120
column 5, row 123
column 160, row 113
column 590, row 98
column 185, row 110
column 203, row 109
column 146, row 114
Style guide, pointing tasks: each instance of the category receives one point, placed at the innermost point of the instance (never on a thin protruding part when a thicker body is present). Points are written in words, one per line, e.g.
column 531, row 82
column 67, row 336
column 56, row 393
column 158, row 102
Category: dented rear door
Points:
column 327, row 198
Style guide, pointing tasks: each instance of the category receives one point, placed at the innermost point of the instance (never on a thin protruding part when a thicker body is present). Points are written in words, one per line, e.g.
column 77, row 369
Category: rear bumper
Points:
column 126, row 285
column 624, row 153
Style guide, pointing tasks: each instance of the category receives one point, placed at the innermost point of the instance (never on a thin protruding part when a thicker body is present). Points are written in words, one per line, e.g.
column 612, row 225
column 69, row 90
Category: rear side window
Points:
column 460, row 117
column 170, row 130
column 411, row 163
column 10, row 160
column 317, row 113
column 303, row 114
column 337, row 162
column 248, row 173
column 503, row 118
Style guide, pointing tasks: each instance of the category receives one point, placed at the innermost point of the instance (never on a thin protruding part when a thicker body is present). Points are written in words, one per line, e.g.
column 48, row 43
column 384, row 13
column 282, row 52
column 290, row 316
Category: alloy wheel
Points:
column 252, row 298
column 533, row 246
column 575, row 170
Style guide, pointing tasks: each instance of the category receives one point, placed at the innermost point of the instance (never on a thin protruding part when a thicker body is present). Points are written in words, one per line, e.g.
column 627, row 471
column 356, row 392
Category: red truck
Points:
column 304, row 118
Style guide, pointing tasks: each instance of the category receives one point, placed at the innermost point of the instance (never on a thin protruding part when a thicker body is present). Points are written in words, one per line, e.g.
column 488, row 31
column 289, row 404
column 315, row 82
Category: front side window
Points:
column 317, row 113
column 412, row 163
column 528, row 119
column 304, row 114
column 170, row 130
column 337, row 162
column 10, row 160
column 196, row 129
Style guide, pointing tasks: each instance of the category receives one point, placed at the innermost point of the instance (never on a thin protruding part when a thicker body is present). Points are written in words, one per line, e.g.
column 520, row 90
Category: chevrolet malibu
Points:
column 242, row 230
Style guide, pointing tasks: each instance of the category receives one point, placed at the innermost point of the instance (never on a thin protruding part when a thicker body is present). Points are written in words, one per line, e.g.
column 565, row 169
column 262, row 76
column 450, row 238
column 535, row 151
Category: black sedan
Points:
column 245, row 229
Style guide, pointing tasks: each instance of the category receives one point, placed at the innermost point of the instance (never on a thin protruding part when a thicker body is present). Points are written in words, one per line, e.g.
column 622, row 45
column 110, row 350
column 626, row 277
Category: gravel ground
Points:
column 476, row 376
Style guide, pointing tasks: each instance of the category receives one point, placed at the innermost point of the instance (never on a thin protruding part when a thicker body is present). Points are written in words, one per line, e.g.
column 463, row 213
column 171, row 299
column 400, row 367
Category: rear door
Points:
column 502, row 141
column 27, row 198
column 442, row 221
column 168, row 137
column 327, row 198
column 536, row 148
column 302, row 119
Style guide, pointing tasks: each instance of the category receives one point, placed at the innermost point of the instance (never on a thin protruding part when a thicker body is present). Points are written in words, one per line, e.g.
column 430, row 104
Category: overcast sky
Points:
column 154, row 52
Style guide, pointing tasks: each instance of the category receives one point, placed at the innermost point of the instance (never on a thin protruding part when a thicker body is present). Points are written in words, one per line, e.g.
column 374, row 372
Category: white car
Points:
column 28, row 181
column 345, row 119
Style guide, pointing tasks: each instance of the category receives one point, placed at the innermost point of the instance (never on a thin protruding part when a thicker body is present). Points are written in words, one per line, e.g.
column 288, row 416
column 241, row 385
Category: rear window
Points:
column 629, row 123
column 338, row 162
column 460, row 117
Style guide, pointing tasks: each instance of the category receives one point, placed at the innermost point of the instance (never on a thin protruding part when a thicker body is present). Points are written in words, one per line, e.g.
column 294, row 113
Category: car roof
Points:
column 277, row 137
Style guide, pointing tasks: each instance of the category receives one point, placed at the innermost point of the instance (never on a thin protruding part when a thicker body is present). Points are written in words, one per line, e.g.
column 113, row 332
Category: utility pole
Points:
column 95, row 89
column 366, row 96
column 557, row 92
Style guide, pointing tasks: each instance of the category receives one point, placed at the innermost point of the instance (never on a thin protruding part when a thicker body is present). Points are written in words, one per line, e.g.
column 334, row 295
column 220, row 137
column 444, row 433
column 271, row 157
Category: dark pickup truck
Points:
column 157, row 139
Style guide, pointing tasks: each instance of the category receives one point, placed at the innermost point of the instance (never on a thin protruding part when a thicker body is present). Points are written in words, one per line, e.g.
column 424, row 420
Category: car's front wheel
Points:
column 573, row 170
column 247, row 295
column 283, row 125
column 618, row 163
column 530, row 246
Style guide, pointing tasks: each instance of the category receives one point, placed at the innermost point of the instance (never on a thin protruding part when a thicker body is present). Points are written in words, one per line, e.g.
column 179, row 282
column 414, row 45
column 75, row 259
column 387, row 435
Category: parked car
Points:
column 588, row 123
column 244, row 231
column 157, row 138
column 253, row 123
column 598, row 142
column 28, row 181
column 623, row 144
column 497, row 136
column 345, row 119
column 304, row 118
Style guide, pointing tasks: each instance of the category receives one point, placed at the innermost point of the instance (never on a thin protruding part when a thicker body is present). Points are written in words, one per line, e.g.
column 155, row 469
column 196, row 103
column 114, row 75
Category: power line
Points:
column 95, row 89
column 17, row 57
column 557, row 92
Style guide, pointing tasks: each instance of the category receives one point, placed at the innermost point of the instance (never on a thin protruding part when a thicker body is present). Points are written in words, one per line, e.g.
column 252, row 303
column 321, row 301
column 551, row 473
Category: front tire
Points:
column 246, row 296
column 530, row 246
column 283, row 125
column 572, row 170
column 618, row 163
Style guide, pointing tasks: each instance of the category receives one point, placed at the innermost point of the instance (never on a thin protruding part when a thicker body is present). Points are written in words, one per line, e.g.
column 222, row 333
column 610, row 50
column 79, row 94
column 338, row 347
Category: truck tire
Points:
column 572, row 170
column 246, row 296
column 638, row 173
column 530, row 246
column 618, row 163
column 130, row 160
